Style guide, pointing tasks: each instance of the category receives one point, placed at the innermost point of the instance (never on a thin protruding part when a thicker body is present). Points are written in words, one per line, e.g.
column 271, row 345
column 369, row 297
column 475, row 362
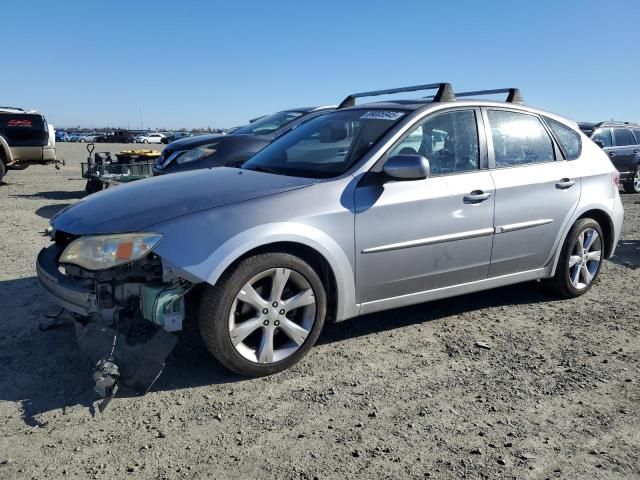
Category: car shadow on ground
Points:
column 44, row 370
column 50, row 211
column 627, row 254
column 55, row 195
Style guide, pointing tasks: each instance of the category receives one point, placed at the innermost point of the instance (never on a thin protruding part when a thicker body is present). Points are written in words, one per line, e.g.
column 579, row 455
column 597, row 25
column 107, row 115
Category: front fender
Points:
column 211, row 268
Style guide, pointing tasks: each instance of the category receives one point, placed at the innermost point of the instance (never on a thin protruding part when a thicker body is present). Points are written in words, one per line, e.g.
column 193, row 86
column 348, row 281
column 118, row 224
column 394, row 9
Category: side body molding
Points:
column 214, row 266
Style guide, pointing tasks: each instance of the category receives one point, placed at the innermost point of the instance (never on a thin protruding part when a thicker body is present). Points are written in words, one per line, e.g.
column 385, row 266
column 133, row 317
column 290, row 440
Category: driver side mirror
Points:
column 407, row 167
column 599, row 142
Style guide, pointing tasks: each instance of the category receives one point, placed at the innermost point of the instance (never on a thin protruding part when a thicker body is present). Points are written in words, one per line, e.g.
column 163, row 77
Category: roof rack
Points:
column 514, row 95
column 444, row 94
column 614, row 123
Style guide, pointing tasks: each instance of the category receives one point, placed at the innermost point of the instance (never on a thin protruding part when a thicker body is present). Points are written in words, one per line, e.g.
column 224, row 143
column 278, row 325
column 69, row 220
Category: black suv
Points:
column 621, row 141
column 25, row 138
column 119, row 136
column 206, row 151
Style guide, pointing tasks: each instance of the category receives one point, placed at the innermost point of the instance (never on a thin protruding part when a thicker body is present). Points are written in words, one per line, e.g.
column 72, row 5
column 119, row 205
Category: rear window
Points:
column 623, row 137
column 569, row 140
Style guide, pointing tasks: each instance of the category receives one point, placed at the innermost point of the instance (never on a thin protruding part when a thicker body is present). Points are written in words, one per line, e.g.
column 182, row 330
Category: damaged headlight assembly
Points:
column 108, row 251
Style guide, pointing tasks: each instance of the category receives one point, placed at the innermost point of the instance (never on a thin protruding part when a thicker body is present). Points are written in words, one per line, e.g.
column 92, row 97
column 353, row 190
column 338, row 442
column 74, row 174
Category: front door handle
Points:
column 565, row 183
column 476, row 196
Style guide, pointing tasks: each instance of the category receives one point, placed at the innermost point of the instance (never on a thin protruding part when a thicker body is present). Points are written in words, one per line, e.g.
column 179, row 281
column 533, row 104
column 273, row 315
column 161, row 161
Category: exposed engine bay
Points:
column 125, row 316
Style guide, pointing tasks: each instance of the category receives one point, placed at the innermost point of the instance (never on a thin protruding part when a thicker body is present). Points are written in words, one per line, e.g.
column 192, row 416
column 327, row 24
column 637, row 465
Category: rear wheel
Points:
column 264, row 315
column 580, row 260
column 633, row 185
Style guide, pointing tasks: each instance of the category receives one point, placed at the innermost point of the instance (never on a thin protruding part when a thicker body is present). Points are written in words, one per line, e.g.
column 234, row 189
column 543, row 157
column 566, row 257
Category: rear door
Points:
column 536, row 190
column 624, row 151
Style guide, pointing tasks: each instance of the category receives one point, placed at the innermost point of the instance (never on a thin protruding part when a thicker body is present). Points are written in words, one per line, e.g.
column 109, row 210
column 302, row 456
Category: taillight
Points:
column 615, row 178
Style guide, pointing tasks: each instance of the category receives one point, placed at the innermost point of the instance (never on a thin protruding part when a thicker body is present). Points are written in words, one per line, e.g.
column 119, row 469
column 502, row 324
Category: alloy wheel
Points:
column 272, row 315
column 585, row 258
column 636, row 181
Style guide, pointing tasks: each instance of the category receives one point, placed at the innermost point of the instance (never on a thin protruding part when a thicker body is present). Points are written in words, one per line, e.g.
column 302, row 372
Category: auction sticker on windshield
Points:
column 382, row 115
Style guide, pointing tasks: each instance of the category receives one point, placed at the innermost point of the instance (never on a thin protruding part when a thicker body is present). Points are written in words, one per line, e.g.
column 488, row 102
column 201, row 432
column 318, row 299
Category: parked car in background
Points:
column 62, row 136
column 208, row 151
column 362, row 209
column 150, row 138
column 75, row 136
column 90, row 137
column 118, row 136
column 171, row 137
column 621, row 141
column 25, row 138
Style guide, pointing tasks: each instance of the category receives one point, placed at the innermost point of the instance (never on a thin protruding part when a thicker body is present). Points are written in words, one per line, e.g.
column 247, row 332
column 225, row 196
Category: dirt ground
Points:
column 401, row 394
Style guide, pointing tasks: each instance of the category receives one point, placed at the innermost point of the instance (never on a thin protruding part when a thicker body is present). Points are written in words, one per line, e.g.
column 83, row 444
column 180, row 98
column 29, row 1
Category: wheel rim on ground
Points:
column 585, row 258
column 636, row 181
column 272, row 315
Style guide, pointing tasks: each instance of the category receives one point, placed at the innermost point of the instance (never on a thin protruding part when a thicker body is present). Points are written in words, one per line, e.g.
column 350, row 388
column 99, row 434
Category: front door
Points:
column 420, row 235
column 536, row 191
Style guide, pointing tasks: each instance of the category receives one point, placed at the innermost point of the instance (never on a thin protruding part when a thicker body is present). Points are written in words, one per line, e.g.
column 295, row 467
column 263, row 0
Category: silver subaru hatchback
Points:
column 366, row 208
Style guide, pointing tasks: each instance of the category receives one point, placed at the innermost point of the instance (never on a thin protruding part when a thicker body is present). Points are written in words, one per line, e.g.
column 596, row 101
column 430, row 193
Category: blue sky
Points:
column 210, row 63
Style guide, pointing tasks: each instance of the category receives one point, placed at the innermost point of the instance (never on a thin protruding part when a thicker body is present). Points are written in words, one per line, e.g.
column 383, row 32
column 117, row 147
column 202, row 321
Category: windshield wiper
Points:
column 260, row 168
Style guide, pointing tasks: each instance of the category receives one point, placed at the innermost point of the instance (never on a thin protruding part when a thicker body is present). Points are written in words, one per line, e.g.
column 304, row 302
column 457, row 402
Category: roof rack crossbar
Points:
column 444, row 94
column 514, row 95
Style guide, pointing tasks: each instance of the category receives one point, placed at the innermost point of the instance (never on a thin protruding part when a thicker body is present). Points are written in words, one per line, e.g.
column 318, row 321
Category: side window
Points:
column 568, row 139
column 519, row 139
column 623, row 137
column 604, row 135
column 636, row 131
column 449, row 141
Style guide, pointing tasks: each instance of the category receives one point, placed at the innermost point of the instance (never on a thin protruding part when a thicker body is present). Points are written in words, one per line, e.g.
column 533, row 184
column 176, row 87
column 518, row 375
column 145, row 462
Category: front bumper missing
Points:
column 139, row 357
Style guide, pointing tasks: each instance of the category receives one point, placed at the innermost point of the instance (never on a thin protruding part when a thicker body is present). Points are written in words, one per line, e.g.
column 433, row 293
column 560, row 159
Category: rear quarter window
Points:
column 569, row 140
column 636, row 132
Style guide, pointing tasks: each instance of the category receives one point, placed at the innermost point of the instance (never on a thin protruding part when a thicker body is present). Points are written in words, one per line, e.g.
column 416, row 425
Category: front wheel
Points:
column 265, row 315
column 145, row 141
column 580, row 260
column 3, row 170
column 633, row 186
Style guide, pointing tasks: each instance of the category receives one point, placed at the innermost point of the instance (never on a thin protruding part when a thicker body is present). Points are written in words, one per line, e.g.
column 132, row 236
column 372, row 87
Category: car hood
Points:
column 193, row 142
column 139, row 205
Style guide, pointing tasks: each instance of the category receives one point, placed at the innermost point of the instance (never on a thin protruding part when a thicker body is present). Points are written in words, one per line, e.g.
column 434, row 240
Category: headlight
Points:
column 195, row 154
column 107, row 251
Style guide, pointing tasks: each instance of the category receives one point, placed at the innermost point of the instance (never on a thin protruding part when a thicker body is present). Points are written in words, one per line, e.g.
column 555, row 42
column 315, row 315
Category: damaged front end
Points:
column 125, row 316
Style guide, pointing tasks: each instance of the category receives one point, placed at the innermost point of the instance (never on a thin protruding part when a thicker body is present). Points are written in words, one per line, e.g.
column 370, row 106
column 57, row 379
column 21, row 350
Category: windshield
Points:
column 269, row 124
column 326, row 146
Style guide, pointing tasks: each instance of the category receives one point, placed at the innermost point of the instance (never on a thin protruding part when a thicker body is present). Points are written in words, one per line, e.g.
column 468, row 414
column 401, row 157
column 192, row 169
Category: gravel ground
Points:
column 402, row 394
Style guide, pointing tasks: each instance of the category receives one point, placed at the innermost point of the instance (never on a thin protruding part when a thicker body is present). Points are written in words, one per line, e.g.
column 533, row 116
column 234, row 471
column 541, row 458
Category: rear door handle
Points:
column 565, row 183
column 476, row 196
column 612, row 154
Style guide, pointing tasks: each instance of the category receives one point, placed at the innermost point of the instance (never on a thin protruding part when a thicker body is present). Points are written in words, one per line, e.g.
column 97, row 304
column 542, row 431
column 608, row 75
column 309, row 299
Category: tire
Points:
column 561, row 283
column 145, row 141
column 3, row 170
column 633, row 186
column 221, row 305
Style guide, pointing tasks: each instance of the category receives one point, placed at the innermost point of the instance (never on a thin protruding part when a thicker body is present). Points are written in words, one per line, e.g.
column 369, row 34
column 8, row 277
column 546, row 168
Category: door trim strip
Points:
column 452, row 237
column 512, row 227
